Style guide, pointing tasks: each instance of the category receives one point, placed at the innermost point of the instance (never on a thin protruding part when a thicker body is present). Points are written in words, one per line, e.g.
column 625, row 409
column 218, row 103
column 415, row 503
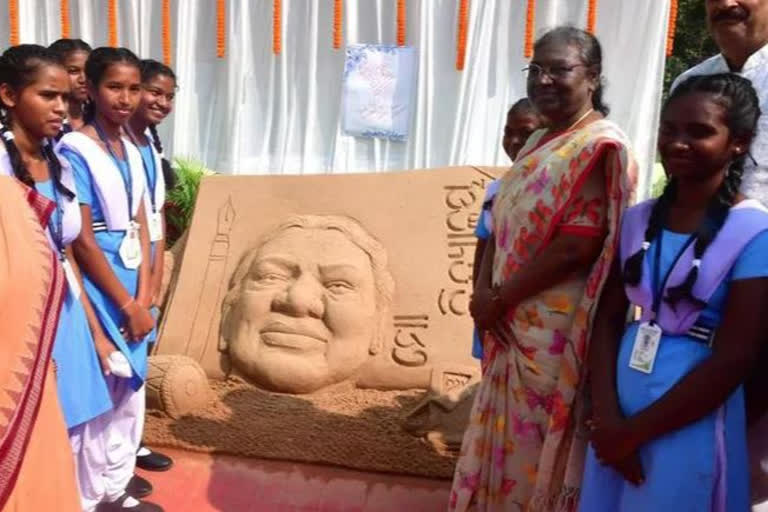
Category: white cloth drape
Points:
column 254, row 112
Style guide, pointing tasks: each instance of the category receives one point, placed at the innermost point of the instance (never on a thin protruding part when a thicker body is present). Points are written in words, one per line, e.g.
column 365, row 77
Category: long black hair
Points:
column 97, row 65
column 63, row 47
column 150, row 69
column 19, row 66
column 742, row 106
column 591, row 54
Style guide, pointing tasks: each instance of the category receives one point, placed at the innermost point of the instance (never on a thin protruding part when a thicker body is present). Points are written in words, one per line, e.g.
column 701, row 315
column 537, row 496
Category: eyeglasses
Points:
column 534, row 71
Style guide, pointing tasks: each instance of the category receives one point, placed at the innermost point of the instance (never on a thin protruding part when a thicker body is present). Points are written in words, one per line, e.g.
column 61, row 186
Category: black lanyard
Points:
column 151, row 181
column 656, row 290
column 126, row 177
column 56, row 223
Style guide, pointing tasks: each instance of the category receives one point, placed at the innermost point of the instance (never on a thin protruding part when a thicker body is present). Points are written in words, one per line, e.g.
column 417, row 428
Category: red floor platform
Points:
column 219, row 483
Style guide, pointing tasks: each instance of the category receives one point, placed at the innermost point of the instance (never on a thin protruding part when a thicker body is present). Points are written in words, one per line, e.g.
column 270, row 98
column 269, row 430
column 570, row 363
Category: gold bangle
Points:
column 128, row 303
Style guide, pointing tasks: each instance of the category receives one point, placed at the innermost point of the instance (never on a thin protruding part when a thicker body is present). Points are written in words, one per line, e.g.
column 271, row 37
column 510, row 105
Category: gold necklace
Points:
column 586, row 114
column 577, row 121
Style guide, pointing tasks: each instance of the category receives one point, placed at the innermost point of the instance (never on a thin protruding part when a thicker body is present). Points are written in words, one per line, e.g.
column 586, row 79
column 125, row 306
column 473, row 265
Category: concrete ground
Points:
column 220, row 483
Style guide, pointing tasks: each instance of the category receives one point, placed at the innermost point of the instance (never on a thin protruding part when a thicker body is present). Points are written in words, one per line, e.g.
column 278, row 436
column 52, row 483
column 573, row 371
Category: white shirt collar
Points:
column 757, row 59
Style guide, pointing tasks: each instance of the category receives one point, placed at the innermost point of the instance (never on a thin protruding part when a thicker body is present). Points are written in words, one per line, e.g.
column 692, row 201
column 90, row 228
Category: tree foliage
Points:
column 692, row 41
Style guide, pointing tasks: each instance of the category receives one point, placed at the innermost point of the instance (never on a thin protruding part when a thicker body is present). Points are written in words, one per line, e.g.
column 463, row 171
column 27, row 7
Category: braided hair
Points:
column 150, row 69
column 740, row 101
column 591, row 54
column 19, row 66
column 97, row 65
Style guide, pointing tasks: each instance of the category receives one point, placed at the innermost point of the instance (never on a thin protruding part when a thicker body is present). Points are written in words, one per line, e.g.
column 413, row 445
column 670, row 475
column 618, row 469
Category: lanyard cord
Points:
column 658, row 289
column 126, row 177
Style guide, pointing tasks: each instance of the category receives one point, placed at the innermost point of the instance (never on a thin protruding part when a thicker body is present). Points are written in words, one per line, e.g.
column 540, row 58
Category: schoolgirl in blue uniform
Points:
column 158, row 89
column 74, row 54
column 33, row 91
column 113, row 252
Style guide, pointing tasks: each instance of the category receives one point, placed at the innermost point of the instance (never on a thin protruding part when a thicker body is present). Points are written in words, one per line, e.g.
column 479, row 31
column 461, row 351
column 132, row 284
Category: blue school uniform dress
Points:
column 483, row 231
column 109, row 241
column 702, row 467
column 81, row 387
column 153, row 202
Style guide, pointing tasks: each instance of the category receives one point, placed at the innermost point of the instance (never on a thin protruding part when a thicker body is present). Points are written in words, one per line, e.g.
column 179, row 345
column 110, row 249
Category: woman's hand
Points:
column 610, row 439
column 155, row 297
column 613, row 439
column 145, row 302
column 138, row 321
column 103, row 349
column 485, row 308
column 631, row 469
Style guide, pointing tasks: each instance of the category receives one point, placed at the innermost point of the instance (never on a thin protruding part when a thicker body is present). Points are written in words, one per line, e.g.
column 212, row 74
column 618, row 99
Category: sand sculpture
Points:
column 310, row 285
column 307, row 305
column 176, row 385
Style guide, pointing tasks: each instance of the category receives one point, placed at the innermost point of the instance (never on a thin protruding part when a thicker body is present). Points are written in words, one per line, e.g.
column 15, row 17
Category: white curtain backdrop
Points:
column 254, row 112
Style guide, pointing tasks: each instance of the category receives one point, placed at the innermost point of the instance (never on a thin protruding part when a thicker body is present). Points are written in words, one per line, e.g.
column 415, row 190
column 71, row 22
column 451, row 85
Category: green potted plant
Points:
column 180, row 200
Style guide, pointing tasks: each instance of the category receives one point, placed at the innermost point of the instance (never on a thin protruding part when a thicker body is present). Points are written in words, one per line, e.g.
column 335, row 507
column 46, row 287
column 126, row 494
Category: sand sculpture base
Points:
column 345, row 426
column 388, row 430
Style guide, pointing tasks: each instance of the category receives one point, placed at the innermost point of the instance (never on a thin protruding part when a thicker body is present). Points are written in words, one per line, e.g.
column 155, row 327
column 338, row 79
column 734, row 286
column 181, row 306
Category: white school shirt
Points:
column 108, row 179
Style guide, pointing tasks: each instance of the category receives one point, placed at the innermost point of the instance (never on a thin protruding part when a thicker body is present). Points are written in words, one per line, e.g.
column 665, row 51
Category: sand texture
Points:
column 349, row 427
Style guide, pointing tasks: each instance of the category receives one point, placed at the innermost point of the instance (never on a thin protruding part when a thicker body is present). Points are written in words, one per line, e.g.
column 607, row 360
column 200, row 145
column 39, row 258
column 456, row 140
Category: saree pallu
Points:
column 524, row 447
column 36, row 466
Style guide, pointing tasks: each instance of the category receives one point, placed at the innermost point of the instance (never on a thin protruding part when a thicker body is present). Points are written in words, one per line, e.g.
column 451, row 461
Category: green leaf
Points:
column 692, row 41
column 181, row 198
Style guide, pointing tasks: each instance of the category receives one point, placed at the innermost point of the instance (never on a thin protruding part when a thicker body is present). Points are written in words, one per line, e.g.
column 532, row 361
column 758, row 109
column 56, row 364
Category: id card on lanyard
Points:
column 155, row 218
column 130, row 248
column 56, row 230
column 649, row 333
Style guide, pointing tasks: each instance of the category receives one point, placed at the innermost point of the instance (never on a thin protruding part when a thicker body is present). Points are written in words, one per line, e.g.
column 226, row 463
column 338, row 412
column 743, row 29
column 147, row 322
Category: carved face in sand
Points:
column 306, row 306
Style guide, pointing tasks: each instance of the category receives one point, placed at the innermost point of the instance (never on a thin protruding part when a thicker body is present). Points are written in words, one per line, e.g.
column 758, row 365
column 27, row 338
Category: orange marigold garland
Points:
column 461, row 43
column 112, row 23
column 277, row 24
column 221, row 28
column 591, row 16
column 672, row 27
column 530, row 21
column 401, row 22
column 66, row 28
column 13, row 19
column 338, row 23
column 167, row 32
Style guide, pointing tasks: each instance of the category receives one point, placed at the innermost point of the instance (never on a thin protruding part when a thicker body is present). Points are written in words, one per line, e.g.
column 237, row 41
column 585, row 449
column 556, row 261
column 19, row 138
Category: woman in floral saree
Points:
column 556, row 220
